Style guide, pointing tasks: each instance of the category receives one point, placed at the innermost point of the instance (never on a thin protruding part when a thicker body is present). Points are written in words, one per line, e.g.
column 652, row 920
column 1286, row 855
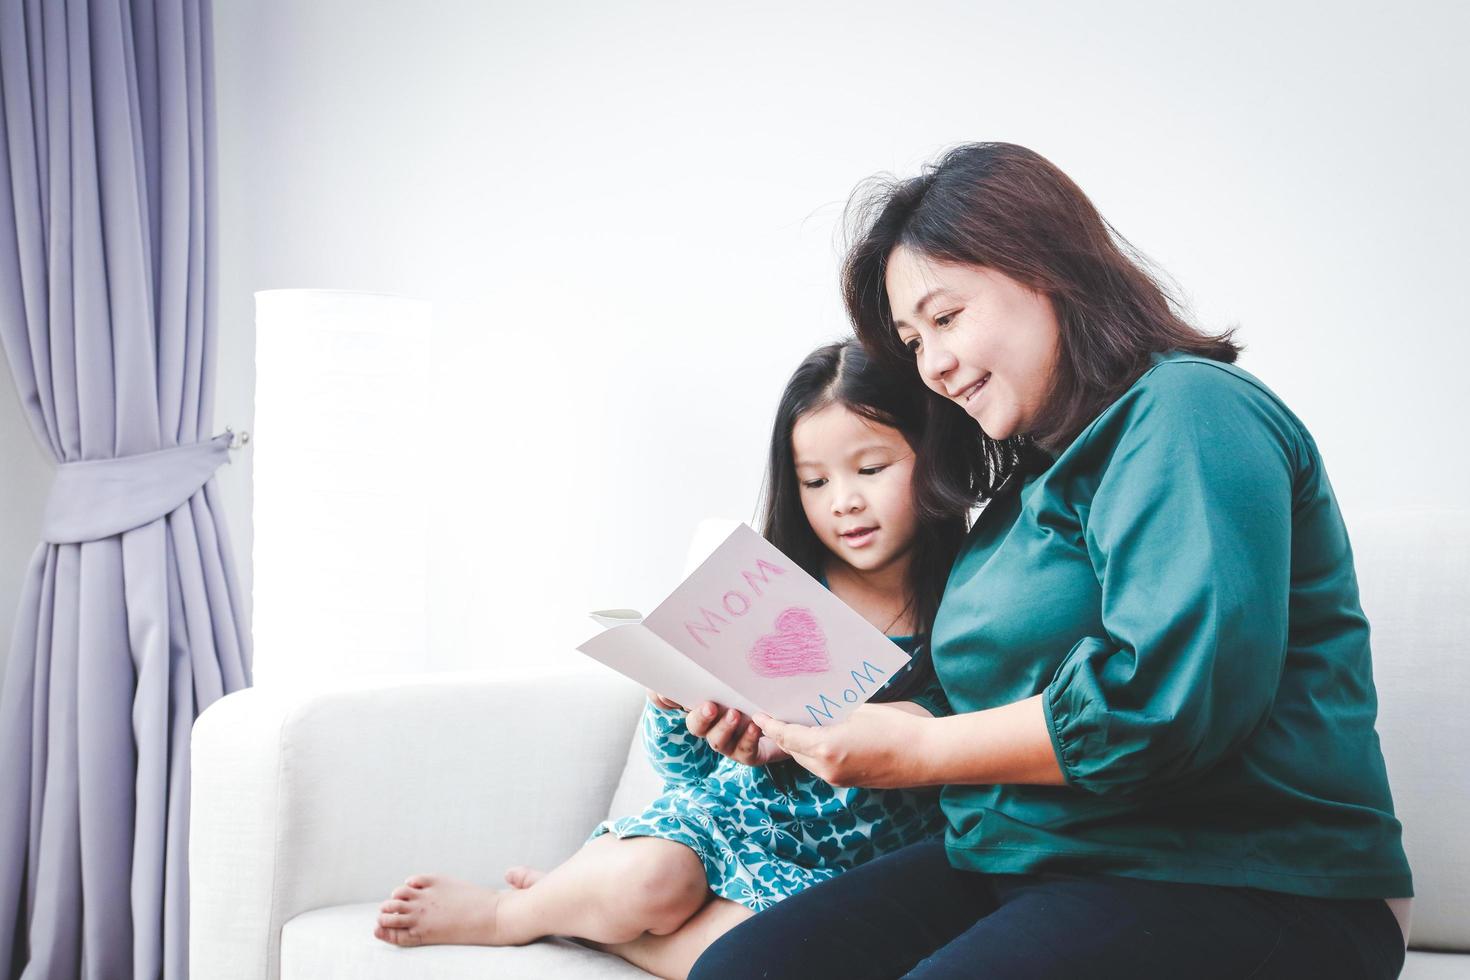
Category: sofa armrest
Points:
column 306, row 800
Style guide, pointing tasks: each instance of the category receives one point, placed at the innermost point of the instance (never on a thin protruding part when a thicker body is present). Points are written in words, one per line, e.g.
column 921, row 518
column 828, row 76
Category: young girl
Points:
column 726, row 840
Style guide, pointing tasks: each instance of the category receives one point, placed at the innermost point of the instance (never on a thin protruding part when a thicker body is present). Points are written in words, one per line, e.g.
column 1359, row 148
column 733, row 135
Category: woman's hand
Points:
column 733, row 735
column 878, row 746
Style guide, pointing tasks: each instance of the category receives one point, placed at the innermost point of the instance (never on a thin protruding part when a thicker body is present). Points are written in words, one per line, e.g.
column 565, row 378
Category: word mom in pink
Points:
column 734, row 602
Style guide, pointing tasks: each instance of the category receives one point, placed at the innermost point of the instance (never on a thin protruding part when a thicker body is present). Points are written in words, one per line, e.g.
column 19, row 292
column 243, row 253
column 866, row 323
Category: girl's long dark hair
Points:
column 1008, row 208
column 843, row 374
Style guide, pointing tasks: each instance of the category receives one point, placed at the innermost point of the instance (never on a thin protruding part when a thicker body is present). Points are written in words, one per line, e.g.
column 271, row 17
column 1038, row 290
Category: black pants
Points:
column 910, row 914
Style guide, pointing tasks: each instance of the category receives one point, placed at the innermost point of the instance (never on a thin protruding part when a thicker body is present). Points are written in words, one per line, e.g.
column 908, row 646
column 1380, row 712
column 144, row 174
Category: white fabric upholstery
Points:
column 337, row 944
column 307, row 801
column 1435, row 966
column 639, row 782
column 1414, row 580
column 307, row 810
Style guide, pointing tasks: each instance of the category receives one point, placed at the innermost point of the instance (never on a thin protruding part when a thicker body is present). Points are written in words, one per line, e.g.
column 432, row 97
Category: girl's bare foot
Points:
column 611, row 891
column 434, row 909
column 521, row 877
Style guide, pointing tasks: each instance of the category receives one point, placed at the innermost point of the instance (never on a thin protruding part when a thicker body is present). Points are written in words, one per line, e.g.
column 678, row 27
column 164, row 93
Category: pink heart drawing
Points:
column 797, row 647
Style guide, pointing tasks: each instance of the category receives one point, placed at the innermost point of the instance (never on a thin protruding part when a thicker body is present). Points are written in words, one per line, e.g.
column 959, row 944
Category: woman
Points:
column 1163, row 761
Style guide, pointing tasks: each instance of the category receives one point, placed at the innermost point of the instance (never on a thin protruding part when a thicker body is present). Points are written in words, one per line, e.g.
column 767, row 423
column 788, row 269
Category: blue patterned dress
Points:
column 765, row 833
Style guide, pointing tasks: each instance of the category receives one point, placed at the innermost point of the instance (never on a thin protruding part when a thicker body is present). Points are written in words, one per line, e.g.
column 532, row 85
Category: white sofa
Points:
column 309, row 809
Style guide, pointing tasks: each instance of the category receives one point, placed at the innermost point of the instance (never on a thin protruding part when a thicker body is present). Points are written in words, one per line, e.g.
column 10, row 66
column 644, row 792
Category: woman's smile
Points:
column 973, row 389
column 969, row 397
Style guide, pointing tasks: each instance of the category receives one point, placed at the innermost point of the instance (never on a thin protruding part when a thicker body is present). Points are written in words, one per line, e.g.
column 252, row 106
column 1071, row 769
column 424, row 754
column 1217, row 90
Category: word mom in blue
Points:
column 825, row 706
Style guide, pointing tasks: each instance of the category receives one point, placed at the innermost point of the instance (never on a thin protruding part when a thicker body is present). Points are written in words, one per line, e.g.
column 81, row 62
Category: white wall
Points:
column 625, row 215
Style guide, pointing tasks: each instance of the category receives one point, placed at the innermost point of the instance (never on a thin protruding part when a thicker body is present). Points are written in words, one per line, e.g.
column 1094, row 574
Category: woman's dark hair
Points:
column 843, row 374
column 1007, row 208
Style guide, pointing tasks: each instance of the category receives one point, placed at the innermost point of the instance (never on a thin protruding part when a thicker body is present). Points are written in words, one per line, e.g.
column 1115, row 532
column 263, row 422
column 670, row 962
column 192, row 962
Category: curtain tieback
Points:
column 95, row 499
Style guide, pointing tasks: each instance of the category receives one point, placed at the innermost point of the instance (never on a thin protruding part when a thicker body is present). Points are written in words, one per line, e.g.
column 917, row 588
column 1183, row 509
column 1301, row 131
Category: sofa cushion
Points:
column 337, row 943
column 639, row 784
column 1436, row 966
column 1414, row 579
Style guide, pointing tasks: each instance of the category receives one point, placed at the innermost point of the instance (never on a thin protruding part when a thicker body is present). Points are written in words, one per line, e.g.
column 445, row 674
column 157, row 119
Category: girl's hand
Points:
column 878, row 746
column 659, row 701
column 733, row 735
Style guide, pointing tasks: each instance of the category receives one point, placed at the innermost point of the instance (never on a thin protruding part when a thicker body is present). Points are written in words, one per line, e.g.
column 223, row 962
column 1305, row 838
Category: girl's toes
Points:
column 420, row 881
column 394, row 905
column 396, row 920
column 403, row 892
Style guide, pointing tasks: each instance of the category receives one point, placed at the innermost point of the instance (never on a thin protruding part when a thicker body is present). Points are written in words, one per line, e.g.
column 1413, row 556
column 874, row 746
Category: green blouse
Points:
column 1178, row 584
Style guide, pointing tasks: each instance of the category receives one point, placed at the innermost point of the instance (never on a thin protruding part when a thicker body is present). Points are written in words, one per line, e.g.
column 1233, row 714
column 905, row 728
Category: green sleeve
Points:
column 931, row 698
column 1189, row 532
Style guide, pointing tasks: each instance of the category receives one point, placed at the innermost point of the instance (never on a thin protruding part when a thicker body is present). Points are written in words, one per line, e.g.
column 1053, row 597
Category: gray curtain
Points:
column 130, row 620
